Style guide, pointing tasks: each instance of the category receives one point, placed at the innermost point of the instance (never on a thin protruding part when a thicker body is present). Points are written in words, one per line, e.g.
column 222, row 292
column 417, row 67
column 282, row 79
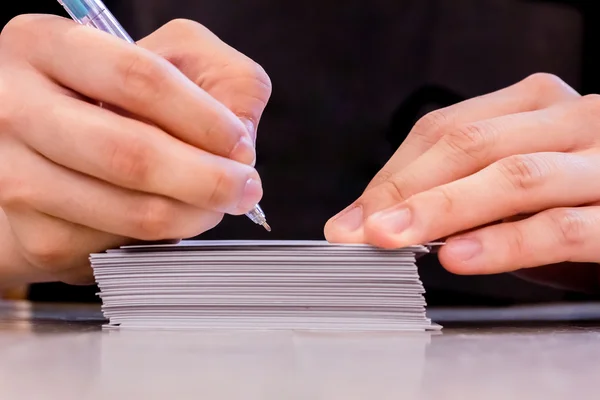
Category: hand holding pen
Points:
column 168, row 155
column 93, row 13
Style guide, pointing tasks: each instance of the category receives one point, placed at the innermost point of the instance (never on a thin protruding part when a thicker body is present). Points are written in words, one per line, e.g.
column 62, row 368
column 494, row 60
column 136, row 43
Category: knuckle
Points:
column 586, row 108
column 257, row 73
column 18, row 29
column 182, row 26
column 545, row 83
column 253, row 82
column 155, row 218
column 591, row 103
column 381, row 177
column 144, row 78
column 431, row 127
column 130, row 160
column 516, row 239
column 570, row 226
column 48, row 252
column 396, row 188
column 443, row 198
column 470, row 140
column 523, row 172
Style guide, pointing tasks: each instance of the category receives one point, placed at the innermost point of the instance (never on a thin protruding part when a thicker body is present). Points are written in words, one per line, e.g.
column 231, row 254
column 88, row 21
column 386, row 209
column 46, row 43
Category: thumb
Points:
column 347, row 226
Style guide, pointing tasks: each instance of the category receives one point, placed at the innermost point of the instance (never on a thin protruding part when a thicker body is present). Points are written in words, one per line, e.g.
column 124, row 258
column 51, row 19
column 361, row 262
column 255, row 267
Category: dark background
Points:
column 588, row 8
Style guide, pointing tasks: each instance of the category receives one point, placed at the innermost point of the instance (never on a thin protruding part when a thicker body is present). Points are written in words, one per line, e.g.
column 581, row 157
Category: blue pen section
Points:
column 77, row 7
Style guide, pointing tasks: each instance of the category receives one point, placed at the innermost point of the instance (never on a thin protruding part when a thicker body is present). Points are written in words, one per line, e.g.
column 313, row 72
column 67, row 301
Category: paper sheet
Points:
column 307, row 285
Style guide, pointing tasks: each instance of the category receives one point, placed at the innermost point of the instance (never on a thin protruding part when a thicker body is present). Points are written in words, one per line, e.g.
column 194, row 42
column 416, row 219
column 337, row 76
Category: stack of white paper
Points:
column 310, row 285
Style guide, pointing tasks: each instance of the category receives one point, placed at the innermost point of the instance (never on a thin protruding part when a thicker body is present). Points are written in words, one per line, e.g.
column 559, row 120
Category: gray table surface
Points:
column 61, row 352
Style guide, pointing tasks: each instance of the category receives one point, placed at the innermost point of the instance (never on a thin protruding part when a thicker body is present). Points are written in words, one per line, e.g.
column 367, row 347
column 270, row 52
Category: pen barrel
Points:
column 93, row 13
column 107, row 22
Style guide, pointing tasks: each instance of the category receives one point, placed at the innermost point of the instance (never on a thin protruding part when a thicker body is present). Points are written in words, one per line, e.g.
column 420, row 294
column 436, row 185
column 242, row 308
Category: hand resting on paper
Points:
column 511, row 180
column 169, row 153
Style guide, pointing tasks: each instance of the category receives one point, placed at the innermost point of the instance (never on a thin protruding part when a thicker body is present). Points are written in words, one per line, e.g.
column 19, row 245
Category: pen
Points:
column 93, row 13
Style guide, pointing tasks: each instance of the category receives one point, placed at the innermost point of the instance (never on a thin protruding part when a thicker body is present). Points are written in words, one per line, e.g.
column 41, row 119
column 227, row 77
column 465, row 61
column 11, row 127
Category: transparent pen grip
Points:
column 106, row 22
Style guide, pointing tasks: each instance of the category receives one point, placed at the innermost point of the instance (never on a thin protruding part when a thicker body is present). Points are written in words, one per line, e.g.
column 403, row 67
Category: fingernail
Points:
column 252, row 194
column 463, row 249
column 350, row 220
column 243, row 151
column 394, row 220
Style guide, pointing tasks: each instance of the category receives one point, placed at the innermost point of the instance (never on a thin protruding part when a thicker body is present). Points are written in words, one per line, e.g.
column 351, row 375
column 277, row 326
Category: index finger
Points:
column 512, row 186
column 533, row 93
column 226, row 74
column 470, row 148
column 110, row 70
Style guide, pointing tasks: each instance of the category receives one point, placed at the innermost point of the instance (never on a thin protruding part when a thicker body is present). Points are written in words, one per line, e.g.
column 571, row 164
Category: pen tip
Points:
column 267, row 227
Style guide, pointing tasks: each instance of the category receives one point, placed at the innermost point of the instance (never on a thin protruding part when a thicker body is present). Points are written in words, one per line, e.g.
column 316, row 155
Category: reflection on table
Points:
column 62, row 352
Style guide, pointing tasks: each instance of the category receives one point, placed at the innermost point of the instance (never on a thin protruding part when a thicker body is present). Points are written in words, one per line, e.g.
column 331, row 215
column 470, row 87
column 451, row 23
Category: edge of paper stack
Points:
column 264, row 285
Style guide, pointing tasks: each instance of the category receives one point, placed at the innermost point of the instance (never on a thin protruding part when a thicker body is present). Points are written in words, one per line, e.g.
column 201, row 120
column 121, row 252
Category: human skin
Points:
column 508, row 179
column 169, row 153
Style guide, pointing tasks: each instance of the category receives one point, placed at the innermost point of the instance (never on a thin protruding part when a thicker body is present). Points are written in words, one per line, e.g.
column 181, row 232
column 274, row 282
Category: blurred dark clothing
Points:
column 349, row 80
